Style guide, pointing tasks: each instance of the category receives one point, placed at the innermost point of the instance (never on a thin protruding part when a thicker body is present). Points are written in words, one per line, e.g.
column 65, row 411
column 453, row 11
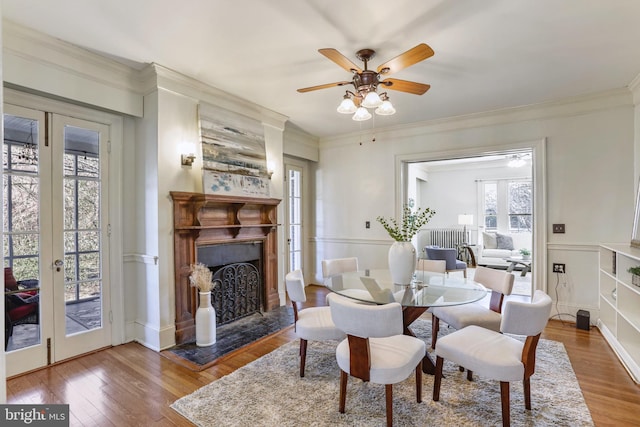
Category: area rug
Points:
column 270, row 392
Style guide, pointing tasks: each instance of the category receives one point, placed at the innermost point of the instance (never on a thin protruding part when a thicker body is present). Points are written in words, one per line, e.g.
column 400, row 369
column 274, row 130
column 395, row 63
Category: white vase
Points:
column 205, row 321
column 402, row 262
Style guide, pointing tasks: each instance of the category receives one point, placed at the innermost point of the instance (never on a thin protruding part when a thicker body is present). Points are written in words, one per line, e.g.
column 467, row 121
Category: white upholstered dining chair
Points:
column 312, row 323
column 375, row 349
column 459, row 316
column 496, row 355
column 332, row 267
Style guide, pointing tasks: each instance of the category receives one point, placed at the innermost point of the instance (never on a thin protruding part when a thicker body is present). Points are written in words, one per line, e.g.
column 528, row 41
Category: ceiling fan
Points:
column 365, row 82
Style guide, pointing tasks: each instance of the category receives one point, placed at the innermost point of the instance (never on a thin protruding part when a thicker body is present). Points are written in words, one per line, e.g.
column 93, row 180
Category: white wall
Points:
column 589, row 176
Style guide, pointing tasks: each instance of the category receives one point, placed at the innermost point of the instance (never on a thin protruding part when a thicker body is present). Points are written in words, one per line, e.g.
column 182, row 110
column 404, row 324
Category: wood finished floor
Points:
column 130, row 385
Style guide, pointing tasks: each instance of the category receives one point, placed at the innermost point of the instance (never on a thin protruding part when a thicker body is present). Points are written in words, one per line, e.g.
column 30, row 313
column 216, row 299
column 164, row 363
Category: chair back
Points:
column 435, row 266
column 522, row 318
column 497, row 280
column 446, row 254
column 332, row 267
column 365, row 321
column 295, row 286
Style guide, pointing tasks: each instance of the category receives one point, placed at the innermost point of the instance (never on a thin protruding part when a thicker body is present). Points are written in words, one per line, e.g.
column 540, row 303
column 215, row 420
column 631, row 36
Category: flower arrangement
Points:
column 201, row 278
column 410, row 224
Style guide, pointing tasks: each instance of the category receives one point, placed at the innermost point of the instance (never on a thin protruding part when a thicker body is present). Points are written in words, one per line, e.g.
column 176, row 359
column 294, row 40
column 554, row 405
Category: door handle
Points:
column 58, row 263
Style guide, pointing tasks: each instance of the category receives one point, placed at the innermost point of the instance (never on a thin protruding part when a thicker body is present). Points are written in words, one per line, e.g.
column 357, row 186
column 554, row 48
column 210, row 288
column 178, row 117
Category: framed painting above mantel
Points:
column 234, row 160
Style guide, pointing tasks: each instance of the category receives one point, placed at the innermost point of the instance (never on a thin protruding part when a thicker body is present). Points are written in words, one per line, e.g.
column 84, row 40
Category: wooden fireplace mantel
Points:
column 209, row 219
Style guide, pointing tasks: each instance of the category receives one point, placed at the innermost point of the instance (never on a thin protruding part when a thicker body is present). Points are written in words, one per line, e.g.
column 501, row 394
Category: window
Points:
column 507, row 205
column 520, row 197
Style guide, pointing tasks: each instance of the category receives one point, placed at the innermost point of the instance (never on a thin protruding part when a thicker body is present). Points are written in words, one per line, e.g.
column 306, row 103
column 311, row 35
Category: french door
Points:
column 55, row 235
column 294, row 217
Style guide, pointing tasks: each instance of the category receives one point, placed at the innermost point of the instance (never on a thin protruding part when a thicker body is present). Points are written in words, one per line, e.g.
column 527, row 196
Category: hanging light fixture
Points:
column 361, row 114
column 386, row 108
column 516, row 161
column 347, row 106
column 365, row 98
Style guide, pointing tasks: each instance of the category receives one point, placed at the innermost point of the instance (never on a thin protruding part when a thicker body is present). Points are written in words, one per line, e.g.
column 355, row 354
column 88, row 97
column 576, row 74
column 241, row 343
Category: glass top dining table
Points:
column 426, row 290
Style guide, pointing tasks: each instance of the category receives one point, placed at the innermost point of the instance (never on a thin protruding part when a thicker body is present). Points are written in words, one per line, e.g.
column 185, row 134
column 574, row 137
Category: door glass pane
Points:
column 82, row 269
column 21, row 245
column 295, row 219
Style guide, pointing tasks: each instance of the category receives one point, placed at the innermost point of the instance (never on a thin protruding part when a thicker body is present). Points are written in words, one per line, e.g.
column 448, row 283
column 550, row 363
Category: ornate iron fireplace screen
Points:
column 237, row 293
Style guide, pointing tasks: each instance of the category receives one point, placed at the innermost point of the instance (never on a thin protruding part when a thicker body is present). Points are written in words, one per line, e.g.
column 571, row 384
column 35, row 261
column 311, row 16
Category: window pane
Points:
column 22, row 191
column 520, row 205
column 491, row 205
column 88, row 204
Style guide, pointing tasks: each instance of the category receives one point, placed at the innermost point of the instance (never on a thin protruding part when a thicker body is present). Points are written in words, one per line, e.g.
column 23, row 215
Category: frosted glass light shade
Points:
column 372, row 100
column 465, row 219
column 385, row 109
column 361, row 114
column 347, row 106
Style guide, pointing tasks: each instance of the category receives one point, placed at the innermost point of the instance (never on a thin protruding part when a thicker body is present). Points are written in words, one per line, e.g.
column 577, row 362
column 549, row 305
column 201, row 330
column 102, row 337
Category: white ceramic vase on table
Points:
column 205, row 321
column 402, row 262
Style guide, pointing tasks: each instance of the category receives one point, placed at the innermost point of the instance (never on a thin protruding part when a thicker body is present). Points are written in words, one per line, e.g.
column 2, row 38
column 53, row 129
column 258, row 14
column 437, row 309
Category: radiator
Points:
column 447, row 237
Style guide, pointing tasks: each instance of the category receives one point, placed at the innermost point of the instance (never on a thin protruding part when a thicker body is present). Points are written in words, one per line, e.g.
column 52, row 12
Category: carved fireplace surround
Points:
column 207, row 219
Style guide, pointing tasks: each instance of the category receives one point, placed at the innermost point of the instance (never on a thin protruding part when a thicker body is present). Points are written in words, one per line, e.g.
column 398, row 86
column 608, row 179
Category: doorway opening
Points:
column 477, row 195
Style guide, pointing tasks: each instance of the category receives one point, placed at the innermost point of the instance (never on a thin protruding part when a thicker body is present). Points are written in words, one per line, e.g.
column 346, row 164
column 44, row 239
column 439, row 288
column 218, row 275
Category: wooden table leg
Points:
column 409, row 315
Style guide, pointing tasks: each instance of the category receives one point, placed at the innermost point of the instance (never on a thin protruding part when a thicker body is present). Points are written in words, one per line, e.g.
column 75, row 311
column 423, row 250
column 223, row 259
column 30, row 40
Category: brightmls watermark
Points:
column 34, row 415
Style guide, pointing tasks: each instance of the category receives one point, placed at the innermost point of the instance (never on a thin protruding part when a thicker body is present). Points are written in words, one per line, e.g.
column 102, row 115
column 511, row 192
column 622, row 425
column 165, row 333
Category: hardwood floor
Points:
column 130, row 385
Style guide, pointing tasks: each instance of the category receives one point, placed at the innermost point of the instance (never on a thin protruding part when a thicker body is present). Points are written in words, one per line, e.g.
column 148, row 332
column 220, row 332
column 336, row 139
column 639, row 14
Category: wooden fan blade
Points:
column 406, row 86
column 404, row 60
column 340, row 59
column 324, row 86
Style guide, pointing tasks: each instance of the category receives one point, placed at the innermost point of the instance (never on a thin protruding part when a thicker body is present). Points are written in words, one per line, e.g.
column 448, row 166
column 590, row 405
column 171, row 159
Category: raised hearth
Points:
column 204, row 220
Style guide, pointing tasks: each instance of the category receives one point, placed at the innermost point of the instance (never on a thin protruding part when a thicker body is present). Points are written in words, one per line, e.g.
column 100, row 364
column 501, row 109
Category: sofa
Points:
column 494, row 247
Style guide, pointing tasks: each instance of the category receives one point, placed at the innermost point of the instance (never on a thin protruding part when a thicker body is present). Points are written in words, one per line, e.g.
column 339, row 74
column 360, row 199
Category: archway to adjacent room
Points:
column 493, row 177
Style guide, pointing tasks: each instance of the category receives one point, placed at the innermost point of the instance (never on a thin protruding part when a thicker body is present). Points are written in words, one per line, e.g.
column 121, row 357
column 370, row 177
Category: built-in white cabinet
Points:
column 619, row 319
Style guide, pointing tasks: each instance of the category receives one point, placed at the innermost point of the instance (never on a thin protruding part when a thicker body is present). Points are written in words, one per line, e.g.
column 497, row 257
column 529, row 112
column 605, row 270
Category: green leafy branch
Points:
column 410, row 224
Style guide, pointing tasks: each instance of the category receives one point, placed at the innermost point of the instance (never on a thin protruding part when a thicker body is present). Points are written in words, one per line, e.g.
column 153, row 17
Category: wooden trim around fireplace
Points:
column 208, row 219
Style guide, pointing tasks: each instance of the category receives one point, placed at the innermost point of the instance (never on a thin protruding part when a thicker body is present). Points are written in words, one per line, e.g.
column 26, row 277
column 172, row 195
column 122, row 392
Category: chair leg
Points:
column 419, row 382
column 527, row 393
column 303, row 355
column 504, row 395
column 343, row 390
column 388, row 388
column 437, row 380
column 464, row 272
column 435, row 326
column 469, row 375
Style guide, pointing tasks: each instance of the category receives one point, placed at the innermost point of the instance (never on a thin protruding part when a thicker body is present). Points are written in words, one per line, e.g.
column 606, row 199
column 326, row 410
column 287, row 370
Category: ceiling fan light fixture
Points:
column 516, row 161
column 372, row 100
column 361, row 114
column 386, row 108
column 347, row 106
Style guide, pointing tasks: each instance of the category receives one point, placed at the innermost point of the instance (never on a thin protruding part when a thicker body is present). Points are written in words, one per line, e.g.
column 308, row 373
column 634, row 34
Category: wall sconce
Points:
column 270, row 168
column 187, row 157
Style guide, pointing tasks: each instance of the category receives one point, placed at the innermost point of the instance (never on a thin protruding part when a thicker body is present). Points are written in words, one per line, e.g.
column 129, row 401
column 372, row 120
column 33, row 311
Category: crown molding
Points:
column 567, row 107
column 188, row 86
column 43, row 49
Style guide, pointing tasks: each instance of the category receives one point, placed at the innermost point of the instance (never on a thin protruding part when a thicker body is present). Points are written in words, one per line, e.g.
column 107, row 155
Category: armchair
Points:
column 449, row 255
column 20, row 306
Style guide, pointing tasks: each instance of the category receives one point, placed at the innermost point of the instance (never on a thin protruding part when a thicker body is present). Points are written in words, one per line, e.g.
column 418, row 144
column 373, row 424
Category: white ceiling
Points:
column 489, row 54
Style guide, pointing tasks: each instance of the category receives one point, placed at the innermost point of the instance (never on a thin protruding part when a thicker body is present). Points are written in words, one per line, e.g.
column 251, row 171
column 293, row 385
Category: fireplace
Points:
column 237, row 272
column 237, row 225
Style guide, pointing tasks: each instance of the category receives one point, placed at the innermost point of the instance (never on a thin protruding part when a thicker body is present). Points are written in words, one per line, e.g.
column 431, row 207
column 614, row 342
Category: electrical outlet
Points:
column 559, row 268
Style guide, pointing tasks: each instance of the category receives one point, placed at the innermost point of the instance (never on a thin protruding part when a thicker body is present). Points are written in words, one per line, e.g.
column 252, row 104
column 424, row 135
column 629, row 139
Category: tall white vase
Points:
column 205, row 321
column 402, row 262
